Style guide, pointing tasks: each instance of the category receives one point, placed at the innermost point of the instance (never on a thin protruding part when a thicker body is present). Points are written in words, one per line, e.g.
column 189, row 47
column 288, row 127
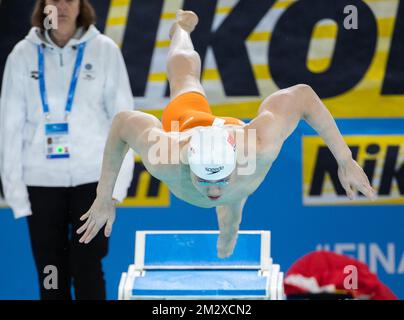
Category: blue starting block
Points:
column 184, row 265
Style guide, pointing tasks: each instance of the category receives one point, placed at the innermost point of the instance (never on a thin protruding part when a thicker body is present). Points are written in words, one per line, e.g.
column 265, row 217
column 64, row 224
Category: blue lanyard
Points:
column 73, row 83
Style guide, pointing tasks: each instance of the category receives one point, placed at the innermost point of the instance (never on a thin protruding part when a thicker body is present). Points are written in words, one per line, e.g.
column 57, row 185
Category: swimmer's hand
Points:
column 226, row 244
column 353, row 178
column 101, row 212
column 229, row 219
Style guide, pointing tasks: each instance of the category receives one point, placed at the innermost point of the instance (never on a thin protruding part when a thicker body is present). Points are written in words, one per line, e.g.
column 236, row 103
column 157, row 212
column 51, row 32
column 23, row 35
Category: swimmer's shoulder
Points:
column 268, row 143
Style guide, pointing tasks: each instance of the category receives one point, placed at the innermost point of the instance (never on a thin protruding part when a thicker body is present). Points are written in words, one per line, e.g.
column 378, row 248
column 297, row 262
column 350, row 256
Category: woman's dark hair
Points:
column 86, row 17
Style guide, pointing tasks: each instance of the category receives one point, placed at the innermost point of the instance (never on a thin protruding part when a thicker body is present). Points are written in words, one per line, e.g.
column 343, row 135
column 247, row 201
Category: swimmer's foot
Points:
column 187, row 20
column 226, row 244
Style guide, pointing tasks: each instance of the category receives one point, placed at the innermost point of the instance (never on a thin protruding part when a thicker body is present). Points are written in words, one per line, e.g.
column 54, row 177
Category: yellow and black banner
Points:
column 349, row 51
column 380, row 156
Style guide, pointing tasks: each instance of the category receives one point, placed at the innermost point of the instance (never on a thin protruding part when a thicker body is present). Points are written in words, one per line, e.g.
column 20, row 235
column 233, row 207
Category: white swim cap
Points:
column 212, row 153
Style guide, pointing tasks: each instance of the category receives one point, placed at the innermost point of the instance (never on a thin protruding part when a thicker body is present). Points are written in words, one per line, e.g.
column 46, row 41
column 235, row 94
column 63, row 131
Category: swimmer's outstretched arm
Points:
column 229, row 218
column 129, row 129
column 284, row 109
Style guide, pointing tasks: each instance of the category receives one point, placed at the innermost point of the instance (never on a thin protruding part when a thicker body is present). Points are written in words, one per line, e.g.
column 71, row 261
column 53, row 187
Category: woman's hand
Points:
column 101, row 212
column 353, row 178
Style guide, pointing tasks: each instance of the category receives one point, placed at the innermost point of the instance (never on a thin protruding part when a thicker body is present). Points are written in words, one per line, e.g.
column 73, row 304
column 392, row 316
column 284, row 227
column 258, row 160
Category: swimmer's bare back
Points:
column 175, row 172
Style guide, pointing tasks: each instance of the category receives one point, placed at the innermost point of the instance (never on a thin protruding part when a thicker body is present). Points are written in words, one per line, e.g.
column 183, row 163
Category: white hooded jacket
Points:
column 102, row 90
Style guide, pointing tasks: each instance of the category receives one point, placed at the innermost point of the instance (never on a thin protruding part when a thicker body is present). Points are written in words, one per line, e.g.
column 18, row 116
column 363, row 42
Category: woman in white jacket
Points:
column 60, row 92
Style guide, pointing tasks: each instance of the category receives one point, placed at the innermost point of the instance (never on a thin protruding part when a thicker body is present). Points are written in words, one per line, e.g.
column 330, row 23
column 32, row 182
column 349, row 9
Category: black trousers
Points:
column 52, row 226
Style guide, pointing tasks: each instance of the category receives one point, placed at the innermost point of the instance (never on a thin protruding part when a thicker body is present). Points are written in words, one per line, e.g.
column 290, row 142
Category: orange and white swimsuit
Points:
column 191, row 110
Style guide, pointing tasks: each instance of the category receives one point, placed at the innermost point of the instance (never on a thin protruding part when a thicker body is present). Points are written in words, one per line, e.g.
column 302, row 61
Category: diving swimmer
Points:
column 212, row 148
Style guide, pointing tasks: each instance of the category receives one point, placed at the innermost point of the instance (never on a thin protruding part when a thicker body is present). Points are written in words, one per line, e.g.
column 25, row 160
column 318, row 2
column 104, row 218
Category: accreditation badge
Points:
column 57, row 140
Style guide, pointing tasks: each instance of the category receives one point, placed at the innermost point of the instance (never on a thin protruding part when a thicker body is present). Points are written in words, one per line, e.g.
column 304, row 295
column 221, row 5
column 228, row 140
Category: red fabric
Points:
column 328, row 268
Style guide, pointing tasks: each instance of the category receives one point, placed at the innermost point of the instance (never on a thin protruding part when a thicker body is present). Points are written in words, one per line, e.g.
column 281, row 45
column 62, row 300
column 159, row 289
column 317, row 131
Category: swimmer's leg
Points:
column 183, row 62
column 229, row 219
